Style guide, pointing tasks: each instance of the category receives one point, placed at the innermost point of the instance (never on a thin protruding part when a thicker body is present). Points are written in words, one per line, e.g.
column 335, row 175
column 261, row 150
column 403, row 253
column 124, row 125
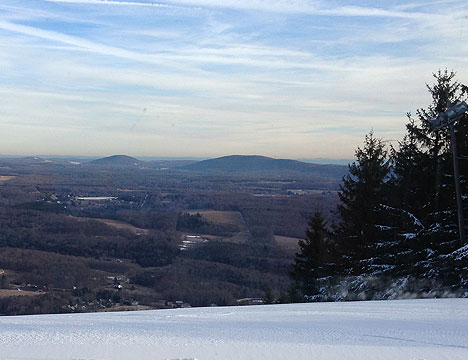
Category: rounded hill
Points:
column 117, row 160
column 256, row 163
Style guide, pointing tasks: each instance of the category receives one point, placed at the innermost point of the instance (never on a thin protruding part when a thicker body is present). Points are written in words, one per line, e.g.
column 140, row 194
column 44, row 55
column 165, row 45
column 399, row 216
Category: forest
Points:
column 398, row 231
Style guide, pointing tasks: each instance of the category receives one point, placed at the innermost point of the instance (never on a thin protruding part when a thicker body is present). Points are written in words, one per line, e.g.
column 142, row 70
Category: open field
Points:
column 286, row 242
column 6, row 178
column 310, row 192
column 378, row 330
column 222, row 217
column 227, row 218
column 239, row 238
column 120, row 225
column 4, row 293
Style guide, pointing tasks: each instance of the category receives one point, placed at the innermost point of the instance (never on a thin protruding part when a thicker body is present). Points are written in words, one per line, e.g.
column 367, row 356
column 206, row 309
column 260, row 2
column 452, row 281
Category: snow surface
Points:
column 402, row 329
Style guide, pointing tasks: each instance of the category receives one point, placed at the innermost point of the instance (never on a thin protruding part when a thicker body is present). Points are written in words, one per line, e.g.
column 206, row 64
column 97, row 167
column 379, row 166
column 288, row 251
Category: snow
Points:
column 416, row 221
column 460, row 253
column 408, row 236
column 383, row 227
column 404, row 329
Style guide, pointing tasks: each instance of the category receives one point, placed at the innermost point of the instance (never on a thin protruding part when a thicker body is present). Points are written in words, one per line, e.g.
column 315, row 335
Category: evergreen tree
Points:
column 423, row 186
column 398, row 220
column 409, row 178
column 309, row 262
column 423, row 163
column 362, row 195
column 430, row 177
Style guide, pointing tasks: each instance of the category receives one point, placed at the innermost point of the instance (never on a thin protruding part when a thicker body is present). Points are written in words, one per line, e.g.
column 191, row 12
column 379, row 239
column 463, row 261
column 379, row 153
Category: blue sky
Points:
column 282, row 78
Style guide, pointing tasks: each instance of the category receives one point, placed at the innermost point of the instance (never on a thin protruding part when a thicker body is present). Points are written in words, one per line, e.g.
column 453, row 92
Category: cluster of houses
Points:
column 98, row 305
column 164, row 304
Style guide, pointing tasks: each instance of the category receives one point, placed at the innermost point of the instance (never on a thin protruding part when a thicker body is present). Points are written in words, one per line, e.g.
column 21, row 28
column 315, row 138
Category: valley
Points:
column 167, row 237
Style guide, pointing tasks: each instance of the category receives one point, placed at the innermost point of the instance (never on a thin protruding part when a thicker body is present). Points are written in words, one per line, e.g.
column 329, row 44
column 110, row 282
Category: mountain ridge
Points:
column 229, row 164
column 257, row 163
column 116, row 160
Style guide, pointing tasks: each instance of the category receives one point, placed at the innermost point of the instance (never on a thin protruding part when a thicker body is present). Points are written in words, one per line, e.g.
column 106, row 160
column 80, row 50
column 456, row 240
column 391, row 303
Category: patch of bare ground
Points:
column 123, row 225
column 120, row 225
column 6, row 178
column 4, row 293
column 311, row 192
column 240, row 238
column 223, row 217
column 288, row 243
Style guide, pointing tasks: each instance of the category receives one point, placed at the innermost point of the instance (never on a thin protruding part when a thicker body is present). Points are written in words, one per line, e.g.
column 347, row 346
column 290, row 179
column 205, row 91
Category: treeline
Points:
column 202, row 282
column 398, row 234
column 264, row 258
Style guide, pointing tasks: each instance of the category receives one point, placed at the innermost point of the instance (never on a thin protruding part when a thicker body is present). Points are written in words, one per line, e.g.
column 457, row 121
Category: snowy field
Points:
column 407, row 329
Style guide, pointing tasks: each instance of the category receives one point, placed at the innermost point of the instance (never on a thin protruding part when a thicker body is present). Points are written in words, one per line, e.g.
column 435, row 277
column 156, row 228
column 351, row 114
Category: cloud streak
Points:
column 115, row 3
column 295, row 7
column 267, row 77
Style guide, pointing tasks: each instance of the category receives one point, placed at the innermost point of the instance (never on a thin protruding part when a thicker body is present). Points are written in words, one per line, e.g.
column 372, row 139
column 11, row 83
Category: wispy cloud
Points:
column 283, row 6
column 253, row 56
column 308, row 7
column 75, row 41
column 271, row 77
column 114, row 3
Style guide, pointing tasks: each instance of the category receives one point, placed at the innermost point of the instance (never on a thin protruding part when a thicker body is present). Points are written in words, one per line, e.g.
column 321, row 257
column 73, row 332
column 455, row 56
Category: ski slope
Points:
column 405, row 329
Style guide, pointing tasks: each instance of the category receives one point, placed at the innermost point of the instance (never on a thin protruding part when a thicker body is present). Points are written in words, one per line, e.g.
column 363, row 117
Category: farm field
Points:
column 287, row 242
column 222, row 217
column 120, row 225
column 10, row 292
column 6, row 178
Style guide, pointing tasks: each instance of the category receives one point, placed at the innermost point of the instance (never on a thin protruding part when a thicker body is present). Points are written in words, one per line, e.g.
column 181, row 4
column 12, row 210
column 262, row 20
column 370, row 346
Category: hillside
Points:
column 255, row 163
column 116, row 160
column 407, row 329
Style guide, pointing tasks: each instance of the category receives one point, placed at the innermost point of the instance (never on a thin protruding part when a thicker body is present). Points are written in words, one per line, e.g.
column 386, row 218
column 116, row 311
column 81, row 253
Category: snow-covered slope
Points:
column 406, row 329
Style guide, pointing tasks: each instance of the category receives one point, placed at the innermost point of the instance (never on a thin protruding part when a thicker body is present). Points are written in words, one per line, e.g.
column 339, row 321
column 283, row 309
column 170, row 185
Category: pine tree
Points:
column 423, row 162
column 409, row 178
column 309, row 262
column 362, row 195
column 423, row 185
column 432, row 149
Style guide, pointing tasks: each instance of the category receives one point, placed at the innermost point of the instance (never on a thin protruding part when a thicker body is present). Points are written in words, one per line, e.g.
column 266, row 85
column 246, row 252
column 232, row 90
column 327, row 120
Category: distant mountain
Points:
column 116, row 160
column 29, row 160
column 255, row 163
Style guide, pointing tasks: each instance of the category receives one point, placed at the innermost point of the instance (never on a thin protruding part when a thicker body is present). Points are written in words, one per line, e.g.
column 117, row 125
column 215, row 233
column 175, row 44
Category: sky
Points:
column 206, row 78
